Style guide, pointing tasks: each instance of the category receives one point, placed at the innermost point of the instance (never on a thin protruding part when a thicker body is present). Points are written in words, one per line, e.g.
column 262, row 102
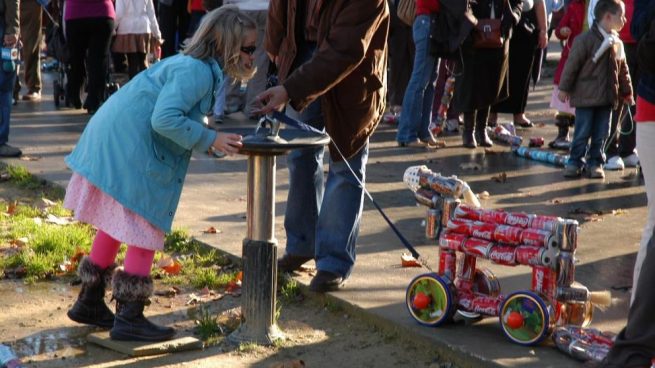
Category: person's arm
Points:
column 563, row 30
column 625, row 85
column 276, row 27
column 339, row 54
column 11, row 23
column 574, row 63
column 542, row 23
column 156, row 33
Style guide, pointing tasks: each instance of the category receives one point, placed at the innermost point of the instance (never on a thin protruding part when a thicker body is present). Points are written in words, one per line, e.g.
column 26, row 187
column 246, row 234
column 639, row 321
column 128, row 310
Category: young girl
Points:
column 129, row 166
column 572, row 24
column 137, row 32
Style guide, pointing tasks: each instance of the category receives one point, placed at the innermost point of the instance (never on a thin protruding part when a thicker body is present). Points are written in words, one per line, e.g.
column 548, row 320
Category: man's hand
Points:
column 227, row 143
column 563, row 96
column 629, row 100
column 272, row 99
column 10, row 40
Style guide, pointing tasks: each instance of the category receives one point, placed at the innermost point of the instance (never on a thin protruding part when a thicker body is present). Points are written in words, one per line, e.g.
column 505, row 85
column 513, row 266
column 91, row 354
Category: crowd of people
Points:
column 331, row 64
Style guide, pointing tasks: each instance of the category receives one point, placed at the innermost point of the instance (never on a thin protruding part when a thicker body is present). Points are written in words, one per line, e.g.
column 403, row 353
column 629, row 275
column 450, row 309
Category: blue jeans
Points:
column 7, row 80
column 417, row 102
column 590, row 123
column 323, row 221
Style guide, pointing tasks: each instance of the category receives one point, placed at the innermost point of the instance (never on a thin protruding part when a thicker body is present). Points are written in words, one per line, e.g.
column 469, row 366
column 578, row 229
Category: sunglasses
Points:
column 248, row 49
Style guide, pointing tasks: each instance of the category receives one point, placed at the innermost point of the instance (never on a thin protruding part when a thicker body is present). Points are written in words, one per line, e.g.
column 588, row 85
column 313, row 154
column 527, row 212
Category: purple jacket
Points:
column 75, row 9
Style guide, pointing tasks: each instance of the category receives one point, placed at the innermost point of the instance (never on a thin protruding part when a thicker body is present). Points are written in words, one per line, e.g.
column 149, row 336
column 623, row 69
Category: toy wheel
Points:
column 525, row 317
column 430, row 299
column 484, row 282
column 56, row 89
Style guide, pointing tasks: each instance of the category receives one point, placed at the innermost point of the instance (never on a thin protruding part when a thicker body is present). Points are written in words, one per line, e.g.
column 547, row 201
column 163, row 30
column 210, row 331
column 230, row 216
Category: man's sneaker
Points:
column 32, row 96
column 9, row 151
column 325, row 281
column 614, row 163
column 631, row 161
column 572, row 171
column 597, row 172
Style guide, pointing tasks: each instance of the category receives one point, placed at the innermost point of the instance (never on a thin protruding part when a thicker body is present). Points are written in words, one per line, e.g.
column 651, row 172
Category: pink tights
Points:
column 138, row 261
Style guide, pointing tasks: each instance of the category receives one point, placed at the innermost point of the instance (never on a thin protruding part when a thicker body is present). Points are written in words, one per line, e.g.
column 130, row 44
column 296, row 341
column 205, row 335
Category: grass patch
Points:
column 289, row 290
column 208, row 327
column 247, row 347
column 23, row 179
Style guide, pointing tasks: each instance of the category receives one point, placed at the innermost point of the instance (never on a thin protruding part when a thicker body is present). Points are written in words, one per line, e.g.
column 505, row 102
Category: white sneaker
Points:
column 631, row 161
column 614, row 163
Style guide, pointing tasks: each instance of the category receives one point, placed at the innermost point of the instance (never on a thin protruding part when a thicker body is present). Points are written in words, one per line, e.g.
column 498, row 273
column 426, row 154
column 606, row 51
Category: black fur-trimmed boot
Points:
column 562, row 141
column 90, row 307
column 131, row 293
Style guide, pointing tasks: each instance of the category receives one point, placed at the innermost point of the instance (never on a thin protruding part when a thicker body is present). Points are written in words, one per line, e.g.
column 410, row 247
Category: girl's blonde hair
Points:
column 220, row 35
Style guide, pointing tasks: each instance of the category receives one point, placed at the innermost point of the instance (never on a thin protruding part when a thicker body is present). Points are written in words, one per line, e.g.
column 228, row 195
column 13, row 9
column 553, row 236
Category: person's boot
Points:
column 131, row 293
column 467, row 133
column 481, row 134
column 90, row 307
column 562, row 141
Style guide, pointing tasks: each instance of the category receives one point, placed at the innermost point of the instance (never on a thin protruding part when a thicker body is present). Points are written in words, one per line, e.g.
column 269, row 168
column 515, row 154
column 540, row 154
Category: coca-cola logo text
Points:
column 517, row 220
column 499, row 255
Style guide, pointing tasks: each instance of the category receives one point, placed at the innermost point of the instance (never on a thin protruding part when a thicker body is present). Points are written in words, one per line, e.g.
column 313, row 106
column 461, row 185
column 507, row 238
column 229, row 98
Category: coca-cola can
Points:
column 479, row 303
column 494, row 216
column 535, row 237
column 447, row 263
column 483, row 230
column 450, row 205
column 477, row 247
column 543, row 281
column 536, row 142
column 508, row 234
column 502, row 254
column 427, row 197
column 466, row 268
column 468, row 212
column 432, row 220
column 565, row 269
column 548, row 223
column 460, row 226
column 451, row 240
column 529, row 255
column 567, row 234
column 572, row 294
column 518, row 219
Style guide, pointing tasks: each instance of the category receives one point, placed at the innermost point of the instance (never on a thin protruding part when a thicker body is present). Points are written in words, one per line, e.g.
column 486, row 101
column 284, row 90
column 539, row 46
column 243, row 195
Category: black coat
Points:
column 483, row 80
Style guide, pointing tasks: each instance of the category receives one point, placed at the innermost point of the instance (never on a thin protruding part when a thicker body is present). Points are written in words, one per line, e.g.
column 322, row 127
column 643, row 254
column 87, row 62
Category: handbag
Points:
column 487, row 35
column 406, row 11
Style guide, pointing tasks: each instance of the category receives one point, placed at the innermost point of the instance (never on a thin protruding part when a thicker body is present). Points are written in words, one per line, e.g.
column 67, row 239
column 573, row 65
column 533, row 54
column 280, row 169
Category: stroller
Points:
column 56, row 43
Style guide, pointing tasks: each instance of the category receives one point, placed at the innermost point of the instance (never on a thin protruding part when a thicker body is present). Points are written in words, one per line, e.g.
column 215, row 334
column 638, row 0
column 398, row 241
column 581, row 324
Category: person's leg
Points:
column 581, row 133
column 168, row 27
column 98, row 62
column 30, row 29
column 411, row 121
column 424, row 133
column 257, row 84
column 339, row 218
column 600, row 128
column 468, row 140
column 481, row 136
column 96, row 271
column 628, row 140
column 77, row 38
column 7, row 81
column 131, row 288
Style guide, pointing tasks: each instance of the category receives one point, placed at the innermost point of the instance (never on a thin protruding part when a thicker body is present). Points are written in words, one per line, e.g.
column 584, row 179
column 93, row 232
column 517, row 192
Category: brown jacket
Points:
column 590, row 84
column 348, row 69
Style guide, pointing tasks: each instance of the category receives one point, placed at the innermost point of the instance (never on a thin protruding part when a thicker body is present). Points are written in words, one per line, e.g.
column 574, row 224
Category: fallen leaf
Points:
column 483, row 195
column 20, row 242
column 211, row 230
column 541, row 125
column 169, row 293
column 619, row 212
column 193, row 299
column 29, row 158
column 59, row 220
column 165, row 261
column 5, row 176
column 407, row 260
column 556, row 201
column 500, row 178
column 469, row 166
column 11, row 208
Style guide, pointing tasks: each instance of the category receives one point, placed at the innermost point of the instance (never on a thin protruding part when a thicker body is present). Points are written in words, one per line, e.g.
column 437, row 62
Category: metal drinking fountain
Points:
column 259, row 250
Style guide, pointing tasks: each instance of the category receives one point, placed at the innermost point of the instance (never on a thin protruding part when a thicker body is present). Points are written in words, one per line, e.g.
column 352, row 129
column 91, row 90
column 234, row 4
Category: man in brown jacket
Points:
column 331, row 58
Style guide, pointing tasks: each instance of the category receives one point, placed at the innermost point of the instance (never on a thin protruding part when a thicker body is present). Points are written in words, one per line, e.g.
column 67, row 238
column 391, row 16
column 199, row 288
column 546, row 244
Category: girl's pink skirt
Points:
column 558, row 105
column 96, row 208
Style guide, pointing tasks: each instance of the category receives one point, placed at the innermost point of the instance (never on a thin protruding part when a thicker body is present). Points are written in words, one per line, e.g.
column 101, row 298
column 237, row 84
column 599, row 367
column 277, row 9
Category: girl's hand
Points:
column 563, row 96
column 227, row 143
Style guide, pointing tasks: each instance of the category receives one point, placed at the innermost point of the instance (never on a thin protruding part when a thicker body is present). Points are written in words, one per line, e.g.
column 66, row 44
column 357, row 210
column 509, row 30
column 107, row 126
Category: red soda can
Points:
column 479, row 303
column 494, row 216
column 447, row 263
column 483, row 230
column 536, row 237
column 536, row 142
column 452, row 241
column 502, row 254
column 467, row 212
column 460, row 226
column 529, row 255
column 543, row 281
column 518, row 219
column 477, row 247
column 466, row 269
column 548, row 223
column 432, row 218
column 508, row 234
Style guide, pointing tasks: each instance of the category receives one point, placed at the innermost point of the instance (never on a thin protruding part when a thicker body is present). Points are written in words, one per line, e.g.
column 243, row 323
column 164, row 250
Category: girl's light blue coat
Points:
column 137, row 146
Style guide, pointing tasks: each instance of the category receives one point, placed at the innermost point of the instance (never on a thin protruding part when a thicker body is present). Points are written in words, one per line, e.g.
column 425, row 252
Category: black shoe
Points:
column 325, row 281
column 9, row 151
column 290, row 263
column 90, row 307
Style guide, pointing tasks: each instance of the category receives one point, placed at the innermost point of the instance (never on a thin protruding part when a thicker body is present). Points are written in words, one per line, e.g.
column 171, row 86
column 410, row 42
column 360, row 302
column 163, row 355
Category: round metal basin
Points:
column 287, row 139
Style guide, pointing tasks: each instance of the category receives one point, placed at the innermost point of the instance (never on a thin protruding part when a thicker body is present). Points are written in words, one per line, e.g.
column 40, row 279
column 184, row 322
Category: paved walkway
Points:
column 215, row 195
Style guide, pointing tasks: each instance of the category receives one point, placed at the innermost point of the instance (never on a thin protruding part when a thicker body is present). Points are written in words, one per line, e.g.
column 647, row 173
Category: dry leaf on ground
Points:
column 500, row 178
column 211, row 230
column 407, row 260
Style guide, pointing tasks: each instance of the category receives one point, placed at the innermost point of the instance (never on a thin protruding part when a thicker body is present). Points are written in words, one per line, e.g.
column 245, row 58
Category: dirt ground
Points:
column 319, row 333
